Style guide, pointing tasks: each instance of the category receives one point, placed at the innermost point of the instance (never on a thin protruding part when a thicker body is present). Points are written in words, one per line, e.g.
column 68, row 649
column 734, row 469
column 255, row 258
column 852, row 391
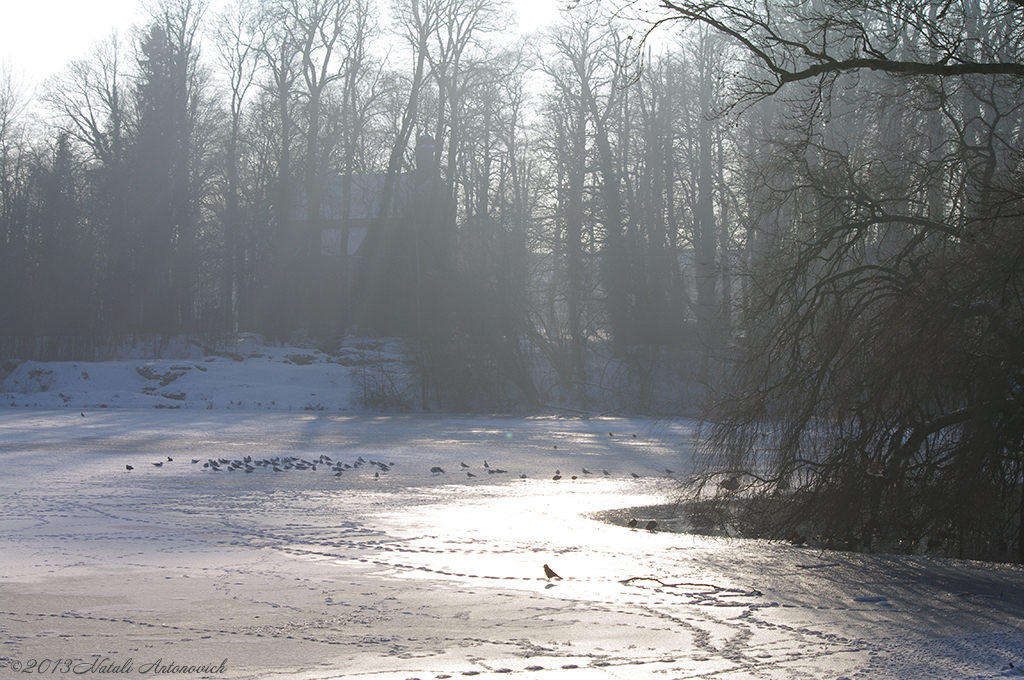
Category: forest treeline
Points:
column 573, row 204
column 812, row 209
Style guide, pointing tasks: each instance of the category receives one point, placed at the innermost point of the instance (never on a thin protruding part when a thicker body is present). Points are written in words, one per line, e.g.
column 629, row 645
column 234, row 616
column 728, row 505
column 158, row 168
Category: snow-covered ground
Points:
column 392, row 570
column 249, row 374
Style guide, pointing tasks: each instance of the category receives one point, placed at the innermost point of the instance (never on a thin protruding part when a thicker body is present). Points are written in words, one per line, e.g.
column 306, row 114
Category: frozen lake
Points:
column 391, row 570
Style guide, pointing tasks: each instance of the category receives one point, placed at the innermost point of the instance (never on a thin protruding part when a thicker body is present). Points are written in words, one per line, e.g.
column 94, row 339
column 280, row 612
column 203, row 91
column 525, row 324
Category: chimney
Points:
column 425, row 155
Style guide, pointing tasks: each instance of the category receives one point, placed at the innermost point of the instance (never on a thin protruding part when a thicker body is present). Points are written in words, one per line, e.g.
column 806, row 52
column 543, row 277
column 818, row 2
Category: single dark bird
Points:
column 470, row 474
column 632, row 523
column 550, row 573
column 651, row 526
column 128, row 467
column 437, row 471
column 730, row 484
column 169, row 459
column 158, row 464
column 557, row 477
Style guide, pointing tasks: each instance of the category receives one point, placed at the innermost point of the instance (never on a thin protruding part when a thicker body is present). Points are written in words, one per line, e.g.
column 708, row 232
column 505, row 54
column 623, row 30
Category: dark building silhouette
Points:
column 366, row 266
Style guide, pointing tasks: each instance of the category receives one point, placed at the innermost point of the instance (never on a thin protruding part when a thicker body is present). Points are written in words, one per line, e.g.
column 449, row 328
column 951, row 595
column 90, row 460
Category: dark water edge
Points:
column 676, row 518
column 671, row 517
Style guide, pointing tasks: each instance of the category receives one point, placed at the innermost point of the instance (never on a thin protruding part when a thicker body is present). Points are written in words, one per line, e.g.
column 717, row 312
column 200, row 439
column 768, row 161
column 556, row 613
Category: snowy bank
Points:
column 250, row 374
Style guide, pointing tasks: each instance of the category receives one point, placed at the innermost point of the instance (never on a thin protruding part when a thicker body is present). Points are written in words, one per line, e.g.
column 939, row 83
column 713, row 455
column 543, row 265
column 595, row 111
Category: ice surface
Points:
column 405, row 573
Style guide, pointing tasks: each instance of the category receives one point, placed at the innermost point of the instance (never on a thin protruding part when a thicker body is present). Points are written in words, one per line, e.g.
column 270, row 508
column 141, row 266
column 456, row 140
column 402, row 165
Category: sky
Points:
column 39, row 37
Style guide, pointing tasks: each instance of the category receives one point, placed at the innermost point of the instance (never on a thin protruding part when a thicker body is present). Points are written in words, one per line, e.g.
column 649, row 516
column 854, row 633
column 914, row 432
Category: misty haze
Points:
column 346, row 339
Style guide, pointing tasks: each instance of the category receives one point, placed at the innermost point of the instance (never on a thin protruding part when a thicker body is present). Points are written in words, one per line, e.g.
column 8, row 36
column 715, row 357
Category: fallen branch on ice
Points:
column 715, row 588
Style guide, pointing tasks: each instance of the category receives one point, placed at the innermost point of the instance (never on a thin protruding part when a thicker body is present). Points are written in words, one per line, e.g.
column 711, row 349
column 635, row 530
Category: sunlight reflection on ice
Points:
column 501, row 536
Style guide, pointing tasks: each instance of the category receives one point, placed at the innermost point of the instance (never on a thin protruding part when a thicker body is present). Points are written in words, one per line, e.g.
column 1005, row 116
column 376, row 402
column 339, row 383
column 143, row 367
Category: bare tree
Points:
column 595, row 58
column 279, row 72
column 93, row 104
column 15, row 264
column 866, row 403
column 236, row 45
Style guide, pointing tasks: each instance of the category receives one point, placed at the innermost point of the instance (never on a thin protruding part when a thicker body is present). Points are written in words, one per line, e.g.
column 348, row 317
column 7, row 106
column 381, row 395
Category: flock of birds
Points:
column 248, row 464
column 437, row 470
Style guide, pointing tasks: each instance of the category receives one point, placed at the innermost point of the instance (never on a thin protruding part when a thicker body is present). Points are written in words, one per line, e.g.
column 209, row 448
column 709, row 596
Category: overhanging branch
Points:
column 903, row 67
column 746, row 34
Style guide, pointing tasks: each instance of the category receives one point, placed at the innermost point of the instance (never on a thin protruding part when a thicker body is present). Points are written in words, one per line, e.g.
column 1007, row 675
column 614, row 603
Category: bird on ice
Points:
column 463, row 465
column 437, row 471
column 128, row 467
column 586, row 471
column 632, row 523
column 651, row 526
column 470, row 474
column 158, row 464
column 635, row 475
column 731, row 484
column 550, row 573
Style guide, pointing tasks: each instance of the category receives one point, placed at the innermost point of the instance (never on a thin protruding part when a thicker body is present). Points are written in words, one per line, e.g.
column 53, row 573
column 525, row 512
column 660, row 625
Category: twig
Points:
column 712, row 586
column 819, row 566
